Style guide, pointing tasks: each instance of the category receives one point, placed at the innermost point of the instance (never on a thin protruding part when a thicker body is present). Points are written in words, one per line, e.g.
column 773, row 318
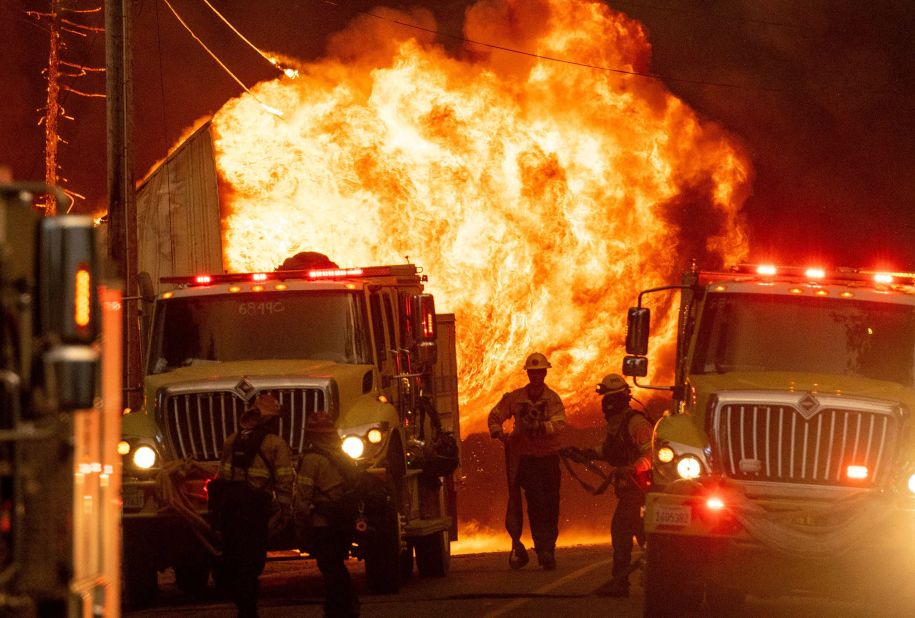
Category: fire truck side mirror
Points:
column 146, row 287
column 635, row 366
column 639, row 319
column 67, row 286
column 423, row 317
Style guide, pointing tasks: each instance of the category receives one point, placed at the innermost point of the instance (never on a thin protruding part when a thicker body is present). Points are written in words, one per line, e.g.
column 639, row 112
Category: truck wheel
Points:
column 141, row 581
column 383, row 552
column 193, row 578
column 433, row 554
column 669, row 591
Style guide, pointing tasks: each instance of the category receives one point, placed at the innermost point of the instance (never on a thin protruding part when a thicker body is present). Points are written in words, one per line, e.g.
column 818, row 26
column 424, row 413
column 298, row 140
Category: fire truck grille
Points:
column 776, row 443
column 196, row 424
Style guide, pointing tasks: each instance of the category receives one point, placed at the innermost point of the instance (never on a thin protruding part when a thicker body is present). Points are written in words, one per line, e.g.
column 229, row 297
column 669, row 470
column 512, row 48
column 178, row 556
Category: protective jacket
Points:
column 538, row 421
column 271, row 469
column 628, row 442
column 318, row 482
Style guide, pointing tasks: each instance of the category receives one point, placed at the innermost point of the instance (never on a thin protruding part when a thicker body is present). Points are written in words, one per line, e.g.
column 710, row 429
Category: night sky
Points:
column 821, row 94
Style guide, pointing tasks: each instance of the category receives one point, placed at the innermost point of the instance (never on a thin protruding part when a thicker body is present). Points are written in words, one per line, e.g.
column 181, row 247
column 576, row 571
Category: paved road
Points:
column 483, row 585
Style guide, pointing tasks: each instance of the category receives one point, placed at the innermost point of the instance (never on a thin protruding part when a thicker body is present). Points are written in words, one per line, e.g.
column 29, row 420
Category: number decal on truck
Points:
column 261, row 308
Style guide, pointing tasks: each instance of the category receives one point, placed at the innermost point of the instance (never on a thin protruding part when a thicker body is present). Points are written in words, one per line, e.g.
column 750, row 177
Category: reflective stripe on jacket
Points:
column 270, row 470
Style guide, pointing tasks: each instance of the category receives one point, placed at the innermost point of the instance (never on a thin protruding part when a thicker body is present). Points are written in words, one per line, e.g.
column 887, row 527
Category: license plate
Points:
column 672, row 515
column 133, row 497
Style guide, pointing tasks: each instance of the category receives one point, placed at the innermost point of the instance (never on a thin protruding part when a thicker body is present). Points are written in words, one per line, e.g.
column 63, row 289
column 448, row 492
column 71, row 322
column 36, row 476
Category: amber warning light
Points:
column 82, row 296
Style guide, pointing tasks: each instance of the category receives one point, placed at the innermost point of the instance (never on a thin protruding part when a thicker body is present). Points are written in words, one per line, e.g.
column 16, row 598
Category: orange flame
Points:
column 540, row 196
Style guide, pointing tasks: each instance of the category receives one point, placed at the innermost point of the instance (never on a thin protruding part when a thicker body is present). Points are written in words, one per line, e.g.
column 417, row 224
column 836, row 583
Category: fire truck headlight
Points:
column 689, row 467
column 375, row 435
column 123, row 447
column 912, row 484
column 144, row 457
column 353, row 446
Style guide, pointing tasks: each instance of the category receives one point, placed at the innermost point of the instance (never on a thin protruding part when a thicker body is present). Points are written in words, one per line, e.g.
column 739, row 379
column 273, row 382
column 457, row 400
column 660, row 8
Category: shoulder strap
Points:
column 253, row 447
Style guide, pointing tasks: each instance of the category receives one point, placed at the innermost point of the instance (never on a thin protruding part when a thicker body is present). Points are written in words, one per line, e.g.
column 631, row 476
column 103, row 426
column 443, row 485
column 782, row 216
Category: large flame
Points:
column 539, row 196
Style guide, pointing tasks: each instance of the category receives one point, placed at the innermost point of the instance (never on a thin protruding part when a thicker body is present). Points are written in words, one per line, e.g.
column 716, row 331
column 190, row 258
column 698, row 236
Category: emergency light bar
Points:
column 402, row 270
column 767, row 271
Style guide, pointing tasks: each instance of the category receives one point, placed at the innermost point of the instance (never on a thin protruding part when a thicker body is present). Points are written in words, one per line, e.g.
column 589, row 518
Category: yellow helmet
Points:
column 612, row 384
column 536, row 361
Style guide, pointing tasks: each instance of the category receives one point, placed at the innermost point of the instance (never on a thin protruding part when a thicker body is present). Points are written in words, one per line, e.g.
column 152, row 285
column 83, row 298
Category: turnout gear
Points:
column 532, row 462
column 626, row 447
column 324, row 526
column 255, row 470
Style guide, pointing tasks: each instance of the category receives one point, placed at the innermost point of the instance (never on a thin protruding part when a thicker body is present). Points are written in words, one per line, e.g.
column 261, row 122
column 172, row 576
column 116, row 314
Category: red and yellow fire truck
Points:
column 787, row 461
column 364, row 344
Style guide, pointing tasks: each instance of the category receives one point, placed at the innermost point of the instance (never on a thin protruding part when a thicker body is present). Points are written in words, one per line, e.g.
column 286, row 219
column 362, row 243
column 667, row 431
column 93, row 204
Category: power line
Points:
column 289, row 72
column 268, row 108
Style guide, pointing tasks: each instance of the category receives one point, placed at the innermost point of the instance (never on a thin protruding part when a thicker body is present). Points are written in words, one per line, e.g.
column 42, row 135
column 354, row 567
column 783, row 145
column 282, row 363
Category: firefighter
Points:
column 627, row 448
column 255, row 470
column 321, row 526
column 532, row 461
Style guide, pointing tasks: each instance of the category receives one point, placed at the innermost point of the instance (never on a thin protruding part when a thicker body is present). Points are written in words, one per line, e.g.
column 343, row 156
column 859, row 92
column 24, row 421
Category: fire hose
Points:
column 169, row 483
column 607, row 479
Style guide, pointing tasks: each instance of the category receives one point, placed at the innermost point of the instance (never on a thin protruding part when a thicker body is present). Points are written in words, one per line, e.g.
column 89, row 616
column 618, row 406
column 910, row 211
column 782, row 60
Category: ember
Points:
column 539, row 195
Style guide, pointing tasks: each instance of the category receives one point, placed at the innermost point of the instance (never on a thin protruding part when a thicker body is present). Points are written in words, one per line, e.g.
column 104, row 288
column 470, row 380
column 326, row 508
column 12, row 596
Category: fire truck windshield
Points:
column 192, row 330
column 763, row 332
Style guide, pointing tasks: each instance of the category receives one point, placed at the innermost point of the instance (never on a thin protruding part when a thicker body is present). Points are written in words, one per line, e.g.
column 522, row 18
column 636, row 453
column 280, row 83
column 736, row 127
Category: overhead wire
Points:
column 289, row 72
column 268, row 108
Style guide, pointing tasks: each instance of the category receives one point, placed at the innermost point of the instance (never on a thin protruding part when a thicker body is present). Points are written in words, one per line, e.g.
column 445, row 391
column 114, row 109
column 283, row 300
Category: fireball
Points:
column 539, row 191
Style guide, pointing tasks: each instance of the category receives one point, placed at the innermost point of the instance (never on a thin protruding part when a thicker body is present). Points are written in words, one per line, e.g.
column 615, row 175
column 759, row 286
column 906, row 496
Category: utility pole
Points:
column 122, row 214
column 53, row 111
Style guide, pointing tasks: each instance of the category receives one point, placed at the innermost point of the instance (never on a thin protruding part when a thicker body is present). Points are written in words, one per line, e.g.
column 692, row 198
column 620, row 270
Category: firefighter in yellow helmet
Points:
column 251, row 496
column 627, row 448
column 532, row 461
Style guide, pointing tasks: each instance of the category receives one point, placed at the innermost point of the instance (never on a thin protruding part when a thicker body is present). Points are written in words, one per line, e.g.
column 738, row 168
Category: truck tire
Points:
column 669, row 591
column 433, row 554
column 383, row 553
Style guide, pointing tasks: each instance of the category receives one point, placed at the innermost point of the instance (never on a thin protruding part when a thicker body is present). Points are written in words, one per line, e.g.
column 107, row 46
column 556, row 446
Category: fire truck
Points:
column 787, row 460
column 363, row 344
column 59, row 412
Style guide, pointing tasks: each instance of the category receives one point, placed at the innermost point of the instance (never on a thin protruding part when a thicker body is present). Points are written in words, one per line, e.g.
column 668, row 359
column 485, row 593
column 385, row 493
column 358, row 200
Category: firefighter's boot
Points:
column 547, row 559
column 518, row 556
